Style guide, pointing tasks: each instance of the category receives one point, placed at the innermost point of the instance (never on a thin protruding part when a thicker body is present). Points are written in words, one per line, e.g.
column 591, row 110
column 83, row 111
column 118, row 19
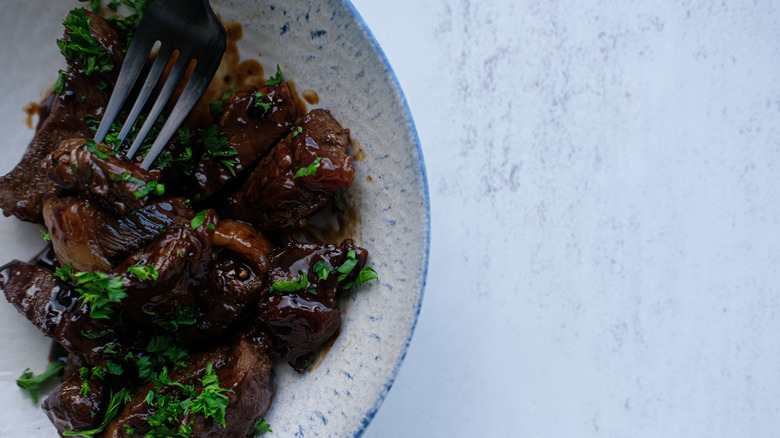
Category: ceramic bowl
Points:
column 326, row 48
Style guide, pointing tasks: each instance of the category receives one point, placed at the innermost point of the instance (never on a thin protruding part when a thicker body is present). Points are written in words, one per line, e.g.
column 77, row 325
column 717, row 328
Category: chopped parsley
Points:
column 97, row 289
column 33, row 383
column 144, row 272
column 45, row 236
column 211, row 402
column 215, row 107
column 81, row 46
column 299, row 284
column 94, row 4
column 198, row 220
column 217, row 146
column 59, row 87
column 117, row 400
column 347, row 266
column 100, row 150
column 363, row 276
column 277, row 79
column 309, row 170
column 151, row 187
column 180, row 316
column 261, row 426
column 322, row 269
column 266, row 106
column 297, row 131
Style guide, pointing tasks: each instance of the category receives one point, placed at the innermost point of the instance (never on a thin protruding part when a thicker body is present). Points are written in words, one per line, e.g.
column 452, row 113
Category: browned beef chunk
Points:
column 301, row 321
column 70, row 409
column 93, row 239
column 209, row 275
column 53, row 307
column 274, row 198
column 113, row 181
column 62, row 117
column 243, row 367
column 251, row 130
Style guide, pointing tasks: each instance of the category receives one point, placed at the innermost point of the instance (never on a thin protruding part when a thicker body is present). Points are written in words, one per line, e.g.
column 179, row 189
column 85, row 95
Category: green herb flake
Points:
column 322, row 269
column 347, row 266
column 95, row 335
column 151, row 187
column 277, row 79
column 261, row 426
column 217, row 146
column 33, row 383
column 211, row 402
column 116, row 401
column 198, row 220
column 81, row 45
column 97, row 289
column 266, row 106
column 45, row 236
column 296, row 285
column 363, row 276
column 144, row 272
column 59, row 87
column 215, row 107
column 297, row 131
column 99, row 150
column 309, row 170
column 84, row 391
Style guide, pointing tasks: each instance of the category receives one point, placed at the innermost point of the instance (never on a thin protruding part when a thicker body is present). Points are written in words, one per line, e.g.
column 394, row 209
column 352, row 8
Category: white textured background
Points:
column 605, row 198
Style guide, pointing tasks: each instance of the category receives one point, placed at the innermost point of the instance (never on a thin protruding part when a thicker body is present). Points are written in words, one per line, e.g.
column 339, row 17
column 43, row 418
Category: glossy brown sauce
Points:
column 311, row 96
column 32, row 109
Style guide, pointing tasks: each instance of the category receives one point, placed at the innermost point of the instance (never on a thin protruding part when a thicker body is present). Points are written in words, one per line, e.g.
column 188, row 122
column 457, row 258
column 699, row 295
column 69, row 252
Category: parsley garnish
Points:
column 95, row 335
column 309, row 170
column 297, row 131
column 363, row 276
column 95, row 4
column 45, row 236
column 215, row 107
column 275, row 80
column 84, row 391
column 322, row 269
column 290, row 286
column 211, row 402
column 146, row 188
column 338, row 204
column 117, row 401
column 266, row 106
column 97, row 290
column 59, row 87
column 217, row 146
column 181, row 316
column 261, row 426
column 144, row 272
column 81, row 46
column 33, row 383
column 198, row 220
column 347, row 266
column 100, row 150
column 300, row 283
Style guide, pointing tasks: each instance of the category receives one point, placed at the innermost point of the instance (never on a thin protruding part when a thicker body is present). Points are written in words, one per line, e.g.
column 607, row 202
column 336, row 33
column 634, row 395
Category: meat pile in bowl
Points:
column 170, row 291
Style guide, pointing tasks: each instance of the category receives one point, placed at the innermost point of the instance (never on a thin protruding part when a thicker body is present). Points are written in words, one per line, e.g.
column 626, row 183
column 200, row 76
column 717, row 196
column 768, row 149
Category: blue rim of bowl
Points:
column 426, row 198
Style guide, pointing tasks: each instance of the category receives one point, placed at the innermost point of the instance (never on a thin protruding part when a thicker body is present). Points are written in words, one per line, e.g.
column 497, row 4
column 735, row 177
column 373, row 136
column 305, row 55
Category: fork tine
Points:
column 134, row 62
column 151, row 80
column 182, row 62
column 196, row 86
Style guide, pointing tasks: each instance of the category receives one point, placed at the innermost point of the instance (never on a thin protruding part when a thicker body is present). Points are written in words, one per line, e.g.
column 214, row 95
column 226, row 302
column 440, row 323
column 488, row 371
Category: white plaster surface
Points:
column 605, row 203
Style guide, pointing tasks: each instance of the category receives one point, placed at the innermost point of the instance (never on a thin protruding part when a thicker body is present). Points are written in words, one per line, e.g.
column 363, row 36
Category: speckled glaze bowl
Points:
column 324, row 46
